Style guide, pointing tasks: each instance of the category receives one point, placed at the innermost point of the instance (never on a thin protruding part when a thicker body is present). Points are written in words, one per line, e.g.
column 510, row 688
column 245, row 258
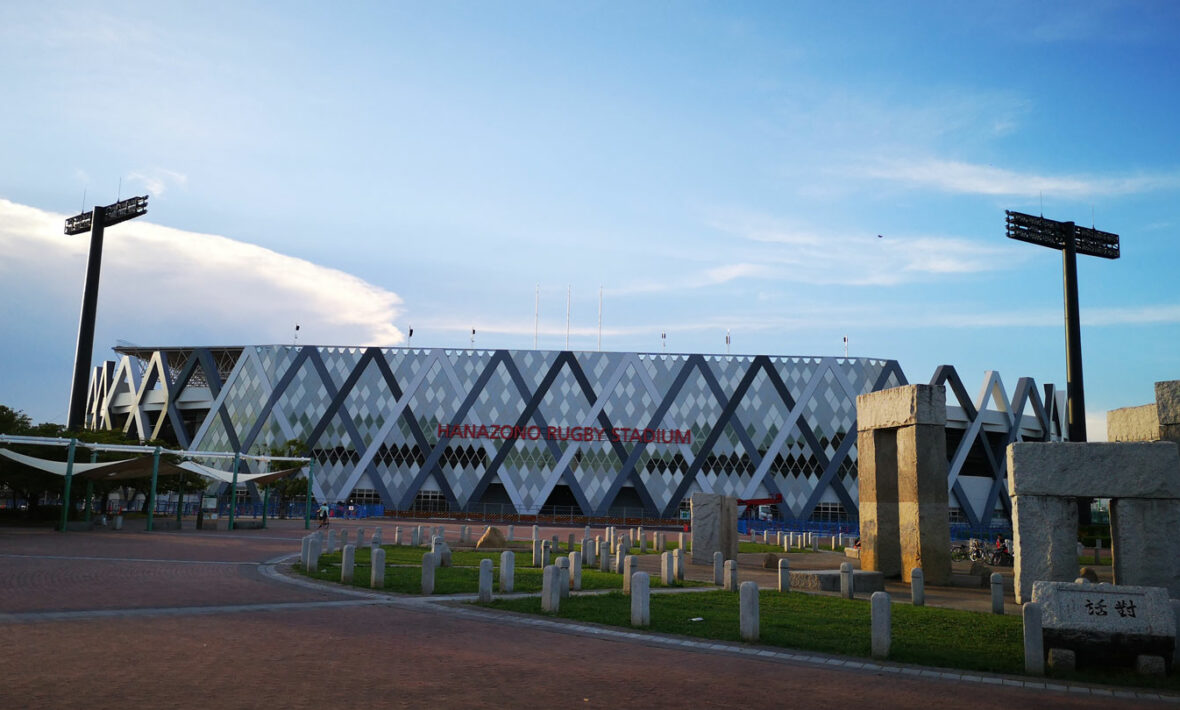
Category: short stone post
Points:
column 347, row 564
column 550, row 589
column 428, row 565
column 640, row 599
column 667, row 572
column 678, row 564
column 604, row 559
column 313, row 554
column 537, row 553
column 588, row 551
column 682, row 541
column 536, row 532
column 786, row 543
column 360, row 537
column 563, row 570
column 628, row 571
column 917, row 587
column 485, row 581
column 718, row 567
column 303, row 550
column 511, row 533
column 331, row 546
column 641, row 538
column 546, row 552
column 416, row 536
column 570, row 543
column 397, row 535
column 731, row 577
column 778, row 538
column 377, row 537
column 554, row 546
column 377, row 576
column 507, row 571
column 815, row 543
column 464, row 531
column 620, row 555
column 1034, row 642
column 847, row 583
column 658, row 544
column 784, row 575
column 575, row 570
column 344, row 537
column 748, row 611
column 997, row 593
column 882, row 620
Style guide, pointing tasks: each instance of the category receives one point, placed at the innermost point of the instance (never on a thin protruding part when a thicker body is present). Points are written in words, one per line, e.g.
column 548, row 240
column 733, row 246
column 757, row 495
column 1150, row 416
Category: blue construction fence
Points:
column 290, row 509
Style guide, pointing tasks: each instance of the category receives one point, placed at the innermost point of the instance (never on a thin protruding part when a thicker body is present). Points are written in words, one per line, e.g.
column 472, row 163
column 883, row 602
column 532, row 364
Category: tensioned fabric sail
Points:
column 140, row 467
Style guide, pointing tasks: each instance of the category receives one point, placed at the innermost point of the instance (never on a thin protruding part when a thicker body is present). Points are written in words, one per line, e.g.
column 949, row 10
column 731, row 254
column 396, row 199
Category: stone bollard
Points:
column 536, row 532
column 682, row 542
column 586, row 531
column 718, row 567
column 507, row 571
column 303, row 550
column 1034, row 642
column 786, row 543
column 360, row 537
column 641, row 538
column 313, row 554
column 464, row 533
column 485, row 581
column 784, row 575
column 765, row 537
column 554, row 545
column 511, row 533
column 997, row 593
column 551, row 589
column 397, row 536
column 588, row 551
column 678, row 564
column 882, row 620
column 563, row 568
column 778, row 538
column 748, row 611
column 570, row 543
column 575, row 570
column 604, row 560
column 377, row 538
column 731, row 577
column 428, row 565
column 537, row 553
column 547, row 549
column 640, row 599
column 815, row 543
column 917, row 587
column 628, row 571
column 377, row 576
column 667, row 571
column 416, row 536
column 331, row 546
column 620, row 555
column 659, row 543
column 343, row 537
column 624, row 544
column 847, row 581
column 347, row 564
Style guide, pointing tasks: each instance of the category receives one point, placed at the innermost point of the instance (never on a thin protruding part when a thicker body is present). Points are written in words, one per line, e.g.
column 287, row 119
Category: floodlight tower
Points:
column 94, row 222
column 1071, row 240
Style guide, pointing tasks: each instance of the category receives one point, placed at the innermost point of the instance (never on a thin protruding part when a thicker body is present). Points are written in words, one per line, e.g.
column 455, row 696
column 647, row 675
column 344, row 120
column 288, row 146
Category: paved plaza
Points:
column 130, row 619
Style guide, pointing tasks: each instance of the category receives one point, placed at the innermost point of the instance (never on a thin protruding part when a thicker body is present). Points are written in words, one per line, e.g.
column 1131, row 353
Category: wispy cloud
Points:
column 160, row 282
column 970, row 178
column 157, row 181
column 714, row 276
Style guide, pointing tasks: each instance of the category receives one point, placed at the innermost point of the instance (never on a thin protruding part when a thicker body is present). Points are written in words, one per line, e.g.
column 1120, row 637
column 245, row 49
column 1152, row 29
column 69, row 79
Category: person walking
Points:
column 324, row 516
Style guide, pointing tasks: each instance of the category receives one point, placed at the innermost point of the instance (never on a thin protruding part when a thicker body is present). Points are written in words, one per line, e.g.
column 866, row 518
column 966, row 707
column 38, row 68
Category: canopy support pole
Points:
column 307, row 501
column 90, row 488
column 65, row 496
column 151, row 502
column 233, row 490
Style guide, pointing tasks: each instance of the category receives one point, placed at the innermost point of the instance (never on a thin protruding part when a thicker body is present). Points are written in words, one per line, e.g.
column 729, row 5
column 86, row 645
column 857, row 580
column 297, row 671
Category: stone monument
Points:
column 714, row 527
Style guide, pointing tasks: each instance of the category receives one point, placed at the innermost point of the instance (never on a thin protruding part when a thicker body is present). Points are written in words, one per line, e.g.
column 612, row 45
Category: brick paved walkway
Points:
column 198, row 619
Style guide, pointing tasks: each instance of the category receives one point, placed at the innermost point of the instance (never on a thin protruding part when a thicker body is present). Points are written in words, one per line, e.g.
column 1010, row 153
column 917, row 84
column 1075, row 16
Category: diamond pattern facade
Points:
column 378, row 418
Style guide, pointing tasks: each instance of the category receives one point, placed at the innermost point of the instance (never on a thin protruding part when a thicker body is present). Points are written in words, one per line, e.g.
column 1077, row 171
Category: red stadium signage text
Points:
column 564, row 433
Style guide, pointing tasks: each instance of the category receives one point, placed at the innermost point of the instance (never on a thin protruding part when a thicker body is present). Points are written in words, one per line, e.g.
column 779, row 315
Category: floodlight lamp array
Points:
column 1057, row 235
column 121, row 211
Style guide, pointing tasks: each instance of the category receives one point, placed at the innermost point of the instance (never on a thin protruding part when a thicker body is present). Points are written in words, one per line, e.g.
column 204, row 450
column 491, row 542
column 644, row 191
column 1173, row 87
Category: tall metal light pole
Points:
column 94, row 222
column 1071, row 240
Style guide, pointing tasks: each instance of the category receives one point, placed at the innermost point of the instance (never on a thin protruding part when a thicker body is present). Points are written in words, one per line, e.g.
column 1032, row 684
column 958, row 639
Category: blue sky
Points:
column 364, row 168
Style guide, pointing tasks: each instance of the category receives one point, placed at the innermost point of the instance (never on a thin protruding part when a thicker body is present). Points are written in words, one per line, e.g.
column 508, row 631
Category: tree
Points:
column 292, row 486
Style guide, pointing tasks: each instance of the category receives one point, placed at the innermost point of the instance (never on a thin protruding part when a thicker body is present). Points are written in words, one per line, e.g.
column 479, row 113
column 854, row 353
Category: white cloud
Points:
column 157, row 181
column 714, row 276
column 969, row 178
column 163, row 283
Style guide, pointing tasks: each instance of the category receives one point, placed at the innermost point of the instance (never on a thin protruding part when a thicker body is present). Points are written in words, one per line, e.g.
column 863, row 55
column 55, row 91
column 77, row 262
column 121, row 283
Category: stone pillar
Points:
column 667, row 573
column 917, row 587
column 847, row 580
column 997, row 584
column 360, row 537
column 1045, row 535
column 641, row 538
column 397, row 535
column 416, row 536
column 882, row 622
column 377, row 537
column 748, row 625
column 604, row 560
column 303, row 550
column 507, row 571
column 464, row 531
column 628, row 572
column 1135, row 527
column 551, row 589
column 682, row 542
column 537, row 553
column 344, row 537
column 588, row 551
column 718, row 569
column 546, row 550
column 428, row 565
column 563, row 569
column 347, row 564
column 511, row 533
column 640, row 599
column 620, row 555
column 731, row 576
column 714, row 527
column 902, row 464
column 377, row 576
column 1034, row 642
column 678, row 564
column 485, row 581
column 331, row 547
column 570, row 543
column 784, row 575
column 575, row 570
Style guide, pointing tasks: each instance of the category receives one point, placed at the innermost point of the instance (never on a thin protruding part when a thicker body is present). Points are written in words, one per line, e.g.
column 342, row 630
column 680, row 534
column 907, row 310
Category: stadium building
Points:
column 556, row 432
